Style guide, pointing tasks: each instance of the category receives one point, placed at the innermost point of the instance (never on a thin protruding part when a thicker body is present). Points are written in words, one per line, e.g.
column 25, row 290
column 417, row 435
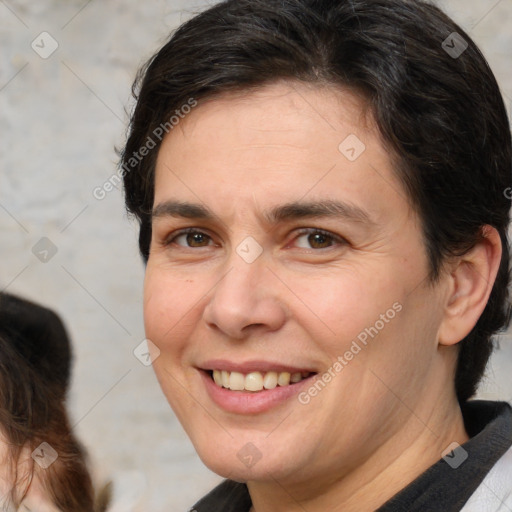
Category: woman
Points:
column 43, row 466
column 320, row 191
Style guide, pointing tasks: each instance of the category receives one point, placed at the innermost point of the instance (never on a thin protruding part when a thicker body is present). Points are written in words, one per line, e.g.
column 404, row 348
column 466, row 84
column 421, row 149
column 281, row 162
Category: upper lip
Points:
column 252, row 366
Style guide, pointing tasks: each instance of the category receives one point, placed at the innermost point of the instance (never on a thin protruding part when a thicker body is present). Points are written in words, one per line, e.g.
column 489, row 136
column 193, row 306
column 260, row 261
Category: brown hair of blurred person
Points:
column 35, row 368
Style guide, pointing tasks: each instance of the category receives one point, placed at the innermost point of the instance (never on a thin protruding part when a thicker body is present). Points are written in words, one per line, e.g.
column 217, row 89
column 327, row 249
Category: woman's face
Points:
column 284, row 245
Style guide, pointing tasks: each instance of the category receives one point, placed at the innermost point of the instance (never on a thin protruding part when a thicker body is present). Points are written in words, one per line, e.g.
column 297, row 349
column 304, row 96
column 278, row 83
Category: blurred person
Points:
column 320, row 191
column 35, row 370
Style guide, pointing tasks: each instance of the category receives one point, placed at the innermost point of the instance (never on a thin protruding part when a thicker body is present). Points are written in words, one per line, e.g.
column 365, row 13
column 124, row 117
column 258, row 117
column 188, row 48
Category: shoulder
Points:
column 494, row 494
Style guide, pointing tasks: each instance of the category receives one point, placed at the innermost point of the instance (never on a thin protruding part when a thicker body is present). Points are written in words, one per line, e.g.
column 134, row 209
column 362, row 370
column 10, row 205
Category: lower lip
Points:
column 247, row 402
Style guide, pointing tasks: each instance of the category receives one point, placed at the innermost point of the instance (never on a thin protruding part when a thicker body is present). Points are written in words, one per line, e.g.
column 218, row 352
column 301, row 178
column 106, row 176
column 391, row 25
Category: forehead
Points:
column 286, row 141
column 277, row 114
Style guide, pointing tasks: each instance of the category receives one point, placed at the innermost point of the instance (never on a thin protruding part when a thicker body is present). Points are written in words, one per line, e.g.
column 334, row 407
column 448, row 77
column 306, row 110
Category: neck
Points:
column 416, row 445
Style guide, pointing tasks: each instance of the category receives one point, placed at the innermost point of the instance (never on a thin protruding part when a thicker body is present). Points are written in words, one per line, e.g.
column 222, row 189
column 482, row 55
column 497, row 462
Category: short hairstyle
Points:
column 436, row 103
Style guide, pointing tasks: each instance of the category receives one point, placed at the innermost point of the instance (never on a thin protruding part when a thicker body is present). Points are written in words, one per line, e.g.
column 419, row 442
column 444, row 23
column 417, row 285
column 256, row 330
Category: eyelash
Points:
column 302, row 232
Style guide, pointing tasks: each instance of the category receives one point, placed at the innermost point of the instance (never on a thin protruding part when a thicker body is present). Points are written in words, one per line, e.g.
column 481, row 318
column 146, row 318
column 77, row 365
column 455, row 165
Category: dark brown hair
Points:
column 436, row 103
column 35, row 362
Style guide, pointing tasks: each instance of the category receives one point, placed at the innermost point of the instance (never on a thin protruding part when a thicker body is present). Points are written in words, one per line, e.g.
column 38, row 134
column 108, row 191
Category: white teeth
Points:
column 270, row 380
column 283, row 379
column 256, row 381
column 236, row 381
column 217, row 377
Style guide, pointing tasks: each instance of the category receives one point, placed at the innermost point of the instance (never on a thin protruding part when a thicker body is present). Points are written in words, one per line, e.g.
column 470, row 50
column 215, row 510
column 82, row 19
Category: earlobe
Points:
column 472, row 280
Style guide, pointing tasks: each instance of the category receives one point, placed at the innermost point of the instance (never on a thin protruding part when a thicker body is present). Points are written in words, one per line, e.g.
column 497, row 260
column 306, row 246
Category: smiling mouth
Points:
column 256, row 381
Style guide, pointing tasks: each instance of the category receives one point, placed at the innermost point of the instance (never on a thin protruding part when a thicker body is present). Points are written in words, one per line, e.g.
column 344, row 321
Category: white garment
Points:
column 494, row 494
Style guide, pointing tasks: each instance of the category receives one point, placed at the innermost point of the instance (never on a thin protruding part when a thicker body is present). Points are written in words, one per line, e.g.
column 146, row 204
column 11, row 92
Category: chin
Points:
column 240, row 459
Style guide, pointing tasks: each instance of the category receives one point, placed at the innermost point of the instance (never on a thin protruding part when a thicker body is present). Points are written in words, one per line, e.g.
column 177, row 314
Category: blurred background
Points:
column 66, row 70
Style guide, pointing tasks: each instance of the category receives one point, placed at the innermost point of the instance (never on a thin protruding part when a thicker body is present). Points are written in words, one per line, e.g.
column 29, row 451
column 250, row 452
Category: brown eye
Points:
column 191, row 239
column 319, row 240
column 197, row 239
column 315, row 239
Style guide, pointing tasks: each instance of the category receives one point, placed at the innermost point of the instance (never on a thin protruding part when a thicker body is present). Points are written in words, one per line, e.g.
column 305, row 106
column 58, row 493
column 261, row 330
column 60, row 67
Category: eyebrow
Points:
column 286, row 212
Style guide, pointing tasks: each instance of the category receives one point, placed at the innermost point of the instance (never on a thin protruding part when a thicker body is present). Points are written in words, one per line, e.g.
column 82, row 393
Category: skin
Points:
column 36, row 497
column 391, row 412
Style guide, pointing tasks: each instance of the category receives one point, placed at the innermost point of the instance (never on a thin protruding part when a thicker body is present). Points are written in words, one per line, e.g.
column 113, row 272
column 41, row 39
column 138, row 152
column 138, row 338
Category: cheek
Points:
column 168, row 303
column 400, row 354
column 169, row 320
column 341, row 305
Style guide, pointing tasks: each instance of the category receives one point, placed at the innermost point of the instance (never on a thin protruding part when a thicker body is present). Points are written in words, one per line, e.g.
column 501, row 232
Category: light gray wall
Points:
column 60, row 118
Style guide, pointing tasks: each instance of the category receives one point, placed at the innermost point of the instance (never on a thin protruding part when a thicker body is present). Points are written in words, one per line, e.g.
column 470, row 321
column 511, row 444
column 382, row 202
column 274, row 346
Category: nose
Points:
column 245, row 300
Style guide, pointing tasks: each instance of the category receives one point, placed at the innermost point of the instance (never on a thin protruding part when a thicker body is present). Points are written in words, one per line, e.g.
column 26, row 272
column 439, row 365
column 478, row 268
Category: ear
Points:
column 470, row 284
